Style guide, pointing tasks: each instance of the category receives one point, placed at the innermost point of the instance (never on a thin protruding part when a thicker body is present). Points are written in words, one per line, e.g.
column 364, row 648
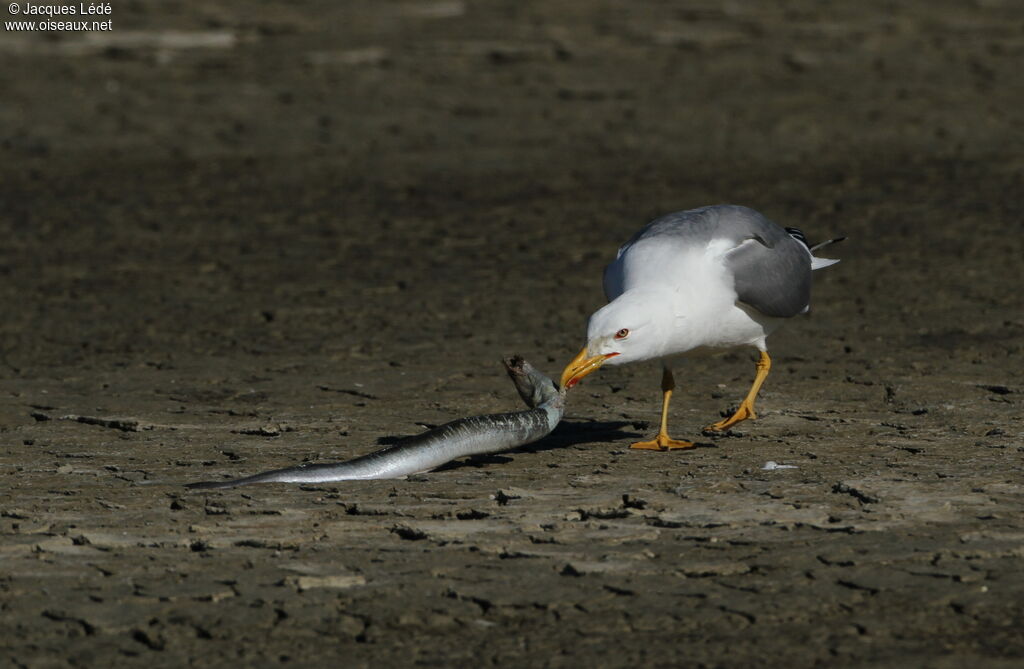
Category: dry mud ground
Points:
column 238, row 237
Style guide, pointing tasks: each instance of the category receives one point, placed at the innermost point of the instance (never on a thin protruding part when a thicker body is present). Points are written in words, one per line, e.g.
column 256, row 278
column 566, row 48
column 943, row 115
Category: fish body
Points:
column 476, row 435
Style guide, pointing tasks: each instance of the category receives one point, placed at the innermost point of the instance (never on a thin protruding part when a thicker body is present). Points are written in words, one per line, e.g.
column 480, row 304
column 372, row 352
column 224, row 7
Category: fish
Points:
column 475, row 435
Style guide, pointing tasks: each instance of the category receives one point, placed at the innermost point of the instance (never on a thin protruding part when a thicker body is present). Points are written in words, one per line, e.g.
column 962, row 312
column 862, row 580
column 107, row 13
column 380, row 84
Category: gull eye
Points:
column 622, row 334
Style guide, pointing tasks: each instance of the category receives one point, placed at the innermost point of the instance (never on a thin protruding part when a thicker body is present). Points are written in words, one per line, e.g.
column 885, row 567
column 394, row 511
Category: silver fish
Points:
column 475, row 435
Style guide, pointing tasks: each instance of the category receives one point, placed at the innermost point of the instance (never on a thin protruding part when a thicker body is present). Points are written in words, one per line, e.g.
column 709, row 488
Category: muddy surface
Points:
column 237, row 239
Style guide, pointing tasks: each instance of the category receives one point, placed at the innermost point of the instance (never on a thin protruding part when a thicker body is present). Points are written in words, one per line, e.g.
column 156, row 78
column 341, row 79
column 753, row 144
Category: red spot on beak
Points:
column 581, row 366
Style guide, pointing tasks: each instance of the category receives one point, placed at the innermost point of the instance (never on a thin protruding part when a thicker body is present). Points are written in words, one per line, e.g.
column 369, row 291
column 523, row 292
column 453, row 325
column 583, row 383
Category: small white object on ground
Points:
column 771, row 465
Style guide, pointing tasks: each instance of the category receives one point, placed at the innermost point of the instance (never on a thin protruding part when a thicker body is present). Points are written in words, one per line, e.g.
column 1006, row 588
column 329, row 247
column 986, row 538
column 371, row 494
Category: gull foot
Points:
column 663, row 443
column 743, row 413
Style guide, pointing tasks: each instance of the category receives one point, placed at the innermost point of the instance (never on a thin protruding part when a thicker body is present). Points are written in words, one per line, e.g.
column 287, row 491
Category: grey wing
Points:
column 774, row 280
column 772, row 270
column 613, row 278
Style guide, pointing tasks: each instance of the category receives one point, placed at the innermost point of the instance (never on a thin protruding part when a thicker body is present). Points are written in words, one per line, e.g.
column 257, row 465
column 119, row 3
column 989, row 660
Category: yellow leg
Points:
column 746, row 408
column 663, row 442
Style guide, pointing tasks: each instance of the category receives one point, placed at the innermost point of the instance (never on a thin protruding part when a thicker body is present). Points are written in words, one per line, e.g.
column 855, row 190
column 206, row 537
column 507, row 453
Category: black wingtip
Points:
column 798, row 234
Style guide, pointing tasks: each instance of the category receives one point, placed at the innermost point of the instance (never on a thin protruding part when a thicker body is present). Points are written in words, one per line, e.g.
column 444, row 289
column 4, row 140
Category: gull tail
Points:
column 824, row 244
column 816, row 263
column 821, row 263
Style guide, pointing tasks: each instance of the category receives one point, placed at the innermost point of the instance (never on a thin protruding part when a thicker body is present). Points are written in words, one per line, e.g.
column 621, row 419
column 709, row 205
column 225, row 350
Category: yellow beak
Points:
column 582, row 365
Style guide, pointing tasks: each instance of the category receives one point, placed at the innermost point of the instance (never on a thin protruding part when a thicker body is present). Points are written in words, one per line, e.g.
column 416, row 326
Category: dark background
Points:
column 238, row 235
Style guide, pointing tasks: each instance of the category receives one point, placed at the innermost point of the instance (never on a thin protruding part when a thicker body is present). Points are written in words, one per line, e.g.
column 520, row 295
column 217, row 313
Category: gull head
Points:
column 629, row 329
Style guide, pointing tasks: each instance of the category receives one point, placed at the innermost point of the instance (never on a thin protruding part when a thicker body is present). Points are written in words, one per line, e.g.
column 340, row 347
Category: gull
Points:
column 694, row 282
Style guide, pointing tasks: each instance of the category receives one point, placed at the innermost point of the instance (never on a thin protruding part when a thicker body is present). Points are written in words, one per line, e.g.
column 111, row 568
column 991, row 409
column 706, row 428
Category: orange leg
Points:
column 746, row 408
column 663, row 442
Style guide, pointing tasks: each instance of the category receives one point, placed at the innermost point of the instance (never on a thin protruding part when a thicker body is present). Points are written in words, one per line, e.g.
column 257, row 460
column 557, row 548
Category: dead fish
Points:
column 476, row 435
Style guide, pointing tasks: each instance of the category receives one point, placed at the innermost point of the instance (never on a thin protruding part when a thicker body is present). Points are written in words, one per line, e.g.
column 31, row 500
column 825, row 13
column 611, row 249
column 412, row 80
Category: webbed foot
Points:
column 745, row 412
column 663, row 443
